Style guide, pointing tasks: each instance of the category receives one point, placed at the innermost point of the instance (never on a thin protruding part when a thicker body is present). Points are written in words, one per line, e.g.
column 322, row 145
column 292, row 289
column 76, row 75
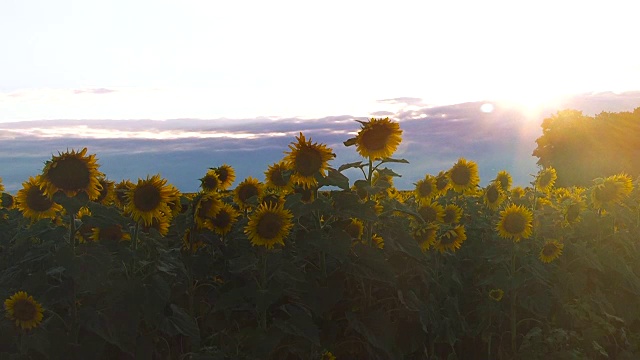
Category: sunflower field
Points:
column 309, row 264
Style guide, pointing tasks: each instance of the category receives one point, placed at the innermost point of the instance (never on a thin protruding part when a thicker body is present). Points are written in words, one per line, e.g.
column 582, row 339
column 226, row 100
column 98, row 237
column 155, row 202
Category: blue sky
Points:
column 163, row 59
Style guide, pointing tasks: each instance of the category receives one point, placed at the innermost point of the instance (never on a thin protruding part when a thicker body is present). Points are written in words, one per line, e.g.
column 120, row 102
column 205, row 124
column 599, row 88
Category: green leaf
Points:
column 350, row 142
column 357, row 164
column 334, row 178
column 387, row 160
column 71, row 204
column 180, row 322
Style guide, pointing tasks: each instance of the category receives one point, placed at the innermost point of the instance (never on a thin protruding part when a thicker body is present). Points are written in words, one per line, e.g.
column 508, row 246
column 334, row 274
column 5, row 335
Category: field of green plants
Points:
column 309, row 264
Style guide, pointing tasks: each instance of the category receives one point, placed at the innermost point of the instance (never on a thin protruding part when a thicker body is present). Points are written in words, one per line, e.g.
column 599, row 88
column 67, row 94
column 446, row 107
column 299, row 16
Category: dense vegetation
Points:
column 309, row 264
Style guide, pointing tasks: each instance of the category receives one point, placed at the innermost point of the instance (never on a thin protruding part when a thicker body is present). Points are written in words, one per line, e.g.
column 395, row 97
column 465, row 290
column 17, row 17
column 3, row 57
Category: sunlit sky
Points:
column 208, row 59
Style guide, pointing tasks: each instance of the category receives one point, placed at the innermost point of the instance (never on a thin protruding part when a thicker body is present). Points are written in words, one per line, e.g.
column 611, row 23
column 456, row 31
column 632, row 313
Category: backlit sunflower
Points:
column 463, row 176
column 518, row 194
column 493, row 195
column 550, row 251
column 451, row 240
column 225, row 218
column 546, row 179
column 269, row 226
column 516, row 222
column 278, row 177
column 496, row 294
column 247, row 190
column 207, row 206
column 355, row 229
column 425, row 236
column 611, row 190
column 107, row 194
column 452, row 214
column 109, row 233
column 431, row 212
column 306, row 160
column 442, row 183
column 33, row 203
column 378, row 138
column 71, row 172
column 571, row 210
column 210, row 181
column 22, row 309
column 148, row 199
column 504, row 180
column 425, row 189
column 226, row 175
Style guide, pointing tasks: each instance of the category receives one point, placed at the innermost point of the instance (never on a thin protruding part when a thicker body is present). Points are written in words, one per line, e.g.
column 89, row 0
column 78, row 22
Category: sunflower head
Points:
column 207, row 207
column 442, row 182
column 610, row 190
column 268, row 226
column 121, row 190
column 493, row 195
column 22, row 309
column 225, row 218
column 546, row 179
column 551, row 250
column 516, row 222
column 33, row 203
column 7, row 201
column 355, row 229
column 463, row 176
column 504, row 180
column 425, row 189
column 377, row 241
column 431, row 212
column 425, row 236
column 278, row 177
column 250, row 188
column 451, row 239
column 496, row 294
column 71, row 172
column 210, row 181
column 452, row 214
column 109, row 233
column 378, row 138
column 226, row 176
column 107, row 191
column 306, row 160
column 148, row 199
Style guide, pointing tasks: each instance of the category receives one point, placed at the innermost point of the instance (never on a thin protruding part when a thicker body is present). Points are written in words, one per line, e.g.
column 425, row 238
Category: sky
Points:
column 160, row 59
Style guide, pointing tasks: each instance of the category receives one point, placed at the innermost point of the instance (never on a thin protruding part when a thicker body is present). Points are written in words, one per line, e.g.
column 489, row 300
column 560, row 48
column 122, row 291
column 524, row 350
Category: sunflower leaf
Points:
column 334, row 178
column 350, row 142
column 357, row 164
column 387, row 160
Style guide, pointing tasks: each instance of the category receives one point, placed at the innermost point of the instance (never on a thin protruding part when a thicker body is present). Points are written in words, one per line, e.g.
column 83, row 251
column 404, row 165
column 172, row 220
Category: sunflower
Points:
column 545, row 179
column 210, row 181
column 175, row 201
column 355, row 229
column 463, row 176
column 7, row 201
column 272, row 198
column 1, row 185
column 109, row 233
column 431, row 212
column 247, row 190
column 442, row 183
column 107, row 194
column 504, row 180
column 425, row 189
column 377, row 241
column 572, row 209
column 278, row 177
column 516, row 222
column 306, row 160
column 496, row 294
column 308, row 194
column 207, row 206
column 452, row 214
column 518, row 193
column 269, row 225
column 425, row 236
column 551, row 250
column 493, row 195
column 148, row 199
column 161, row 224
column 378, row 138
column 327, row 355
column 33, row 203
column 225, row 218
column 121, row 190
column 190, row 244
column 23, row 310
column 451, row 240
column 71, row 172
column 226, row 176
column 611, row 190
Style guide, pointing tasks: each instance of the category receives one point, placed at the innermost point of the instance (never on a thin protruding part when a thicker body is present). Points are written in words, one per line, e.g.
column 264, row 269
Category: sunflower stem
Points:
column 134, row 244
column 72, row 231
column 513, row 301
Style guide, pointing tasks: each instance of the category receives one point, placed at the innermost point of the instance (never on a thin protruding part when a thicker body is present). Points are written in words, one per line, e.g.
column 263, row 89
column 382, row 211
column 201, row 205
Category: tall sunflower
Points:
column 306, row 160
column 546, row 179
column 451, row 240
column 268, row 226
column 71, row 172
column 378, row 138
column 516, row 222
column 210, row 181
column 504, row 179
column 225, row 218
column 148, row 199
column 247, row 190
column 550, row 251
column 22, row 309
column 278, row 177
column 463, row 176
column 493, row 195
column 33, row 203
column 226, row 175
column 425, row 189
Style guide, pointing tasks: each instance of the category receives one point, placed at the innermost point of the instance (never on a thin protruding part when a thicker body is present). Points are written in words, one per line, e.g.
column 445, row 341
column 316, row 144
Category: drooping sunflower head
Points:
column 71, row 172
column 225, row 218
column 378, row 138
column 496, row 294
column 452, row 214
column 425, row 189
column 148, row 199
column 431, row 212
column 278, row 177
column 269, row 226
column 463, row 176
column 493, row 195
column 451, row 239
column 33, row 203
column 425, row 236
column 210, row 181
column 306, row 160
column 109, row 233
column 107, row 191
column 504, row 180
column 546, row 179
column 611, row 190
column 226, row 176
column 516, row 222
column 551, row 250
column 23, row 310
column 248, row 189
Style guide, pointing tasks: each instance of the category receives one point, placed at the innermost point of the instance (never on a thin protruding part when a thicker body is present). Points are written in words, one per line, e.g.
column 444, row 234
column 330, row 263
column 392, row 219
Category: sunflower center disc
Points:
column 549, row 249
column 461, row 175
column 277, row 178
column 269, row 226
column 428, row 214
column 222, row 219
column 493, row 194
column 246, row 192
column 375, row 138
column 24, row 310
column 146, row 197
column 111, row 233
column 70, row 174
column 308, row 162
column 425, row 189
column 606, row 193
column 514, row 223
column 37, row 201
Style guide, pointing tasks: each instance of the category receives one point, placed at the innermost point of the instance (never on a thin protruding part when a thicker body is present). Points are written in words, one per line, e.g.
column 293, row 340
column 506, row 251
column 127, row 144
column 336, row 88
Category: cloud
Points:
column 403, row 100
column 94, row 91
